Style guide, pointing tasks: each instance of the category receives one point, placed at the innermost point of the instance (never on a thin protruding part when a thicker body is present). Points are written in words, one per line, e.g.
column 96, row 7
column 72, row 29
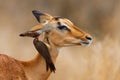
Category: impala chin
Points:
column 86, row 43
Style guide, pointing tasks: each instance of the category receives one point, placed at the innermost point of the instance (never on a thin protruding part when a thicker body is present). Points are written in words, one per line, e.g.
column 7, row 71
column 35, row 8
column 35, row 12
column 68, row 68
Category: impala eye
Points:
column 62, row 27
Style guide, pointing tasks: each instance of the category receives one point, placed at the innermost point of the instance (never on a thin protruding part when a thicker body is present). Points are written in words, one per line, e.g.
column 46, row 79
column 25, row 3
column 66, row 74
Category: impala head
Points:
column 60, row 31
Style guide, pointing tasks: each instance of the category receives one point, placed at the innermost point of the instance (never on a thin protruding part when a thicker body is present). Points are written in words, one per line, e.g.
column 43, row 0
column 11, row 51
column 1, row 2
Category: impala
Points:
column 53, row 33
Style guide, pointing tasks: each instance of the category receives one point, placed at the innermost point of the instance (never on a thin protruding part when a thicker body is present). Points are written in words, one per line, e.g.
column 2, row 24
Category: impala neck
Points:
column 52, row 49
column 36, row 68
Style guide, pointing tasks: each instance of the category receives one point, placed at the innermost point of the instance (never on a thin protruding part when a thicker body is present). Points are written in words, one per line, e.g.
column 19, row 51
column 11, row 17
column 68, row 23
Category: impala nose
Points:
column 89, row 38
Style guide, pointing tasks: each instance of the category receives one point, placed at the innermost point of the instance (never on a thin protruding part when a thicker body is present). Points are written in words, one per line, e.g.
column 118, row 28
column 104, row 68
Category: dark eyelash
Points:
column 63, row 27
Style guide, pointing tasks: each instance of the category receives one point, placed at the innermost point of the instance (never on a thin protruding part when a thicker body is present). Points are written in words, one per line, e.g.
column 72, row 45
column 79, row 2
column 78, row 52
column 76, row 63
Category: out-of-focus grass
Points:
column 100, row 61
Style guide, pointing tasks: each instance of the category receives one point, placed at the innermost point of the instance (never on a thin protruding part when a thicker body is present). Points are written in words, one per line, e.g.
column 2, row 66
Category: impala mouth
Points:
column 87, row 43
column 83, row 43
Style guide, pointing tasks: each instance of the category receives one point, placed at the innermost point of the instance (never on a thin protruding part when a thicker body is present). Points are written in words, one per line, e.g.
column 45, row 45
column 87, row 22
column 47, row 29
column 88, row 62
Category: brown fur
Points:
column 11, row 69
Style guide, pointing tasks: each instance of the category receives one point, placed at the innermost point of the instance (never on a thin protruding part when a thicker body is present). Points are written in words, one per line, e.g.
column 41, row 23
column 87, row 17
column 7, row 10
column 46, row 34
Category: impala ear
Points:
column 36, row 31
column 42, row 17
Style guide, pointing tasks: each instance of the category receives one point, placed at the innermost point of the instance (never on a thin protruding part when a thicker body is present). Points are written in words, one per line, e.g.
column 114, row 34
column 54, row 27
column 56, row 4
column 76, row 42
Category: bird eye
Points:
column 62, row 27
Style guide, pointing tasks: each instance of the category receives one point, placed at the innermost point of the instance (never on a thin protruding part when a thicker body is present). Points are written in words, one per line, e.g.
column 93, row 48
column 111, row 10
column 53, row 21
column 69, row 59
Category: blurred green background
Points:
column 100, row 18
